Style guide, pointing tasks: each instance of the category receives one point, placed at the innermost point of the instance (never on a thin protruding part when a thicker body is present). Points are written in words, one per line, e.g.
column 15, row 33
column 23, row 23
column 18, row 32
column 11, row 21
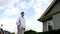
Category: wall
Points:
column 56, row 20
column 45, row 26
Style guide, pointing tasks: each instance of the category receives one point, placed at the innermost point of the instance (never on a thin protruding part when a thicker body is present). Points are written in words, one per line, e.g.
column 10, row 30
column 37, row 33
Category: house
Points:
column 51, row 17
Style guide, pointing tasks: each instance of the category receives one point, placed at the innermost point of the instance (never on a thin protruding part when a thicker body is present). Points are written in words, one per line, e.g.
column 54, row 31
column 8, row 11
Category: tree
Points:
column 13, row 33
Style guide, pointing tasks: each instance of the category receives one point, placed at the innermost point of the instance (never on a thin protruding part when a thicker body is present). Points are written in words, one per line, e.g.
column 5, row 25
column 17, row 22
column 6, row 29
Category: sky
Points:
column 10, row 11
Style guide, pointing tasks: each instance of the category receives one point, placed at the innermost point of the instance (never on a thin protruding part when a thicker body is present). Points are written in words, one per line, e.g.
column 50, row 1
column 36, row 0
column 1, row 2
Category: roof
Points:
column 43, row 17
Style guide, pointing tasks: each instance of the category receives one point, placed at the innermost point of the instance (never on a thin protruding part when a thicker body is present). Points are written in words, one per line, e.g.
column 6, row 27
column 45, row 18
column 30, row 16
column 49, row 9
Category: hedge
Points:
column 30, row 32
column 46, row 32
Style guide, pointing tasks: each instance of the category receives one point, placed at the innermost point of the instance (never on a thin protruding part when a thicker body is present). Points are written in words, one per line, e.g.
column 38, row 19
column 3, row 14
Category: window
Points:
column 50, row 25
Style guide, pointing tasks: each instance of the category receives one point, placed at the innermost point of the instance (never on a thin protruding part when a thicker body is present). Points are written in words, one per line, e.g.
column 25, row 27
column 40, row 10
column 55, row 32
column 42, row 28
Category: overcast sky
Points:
column 10, row 11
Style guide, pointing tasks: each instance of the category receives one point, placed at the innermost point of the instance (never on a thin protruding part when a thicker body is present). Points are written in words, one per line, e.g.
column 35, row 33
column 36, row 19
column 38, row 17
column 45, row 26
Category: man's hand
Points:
column 23, row 28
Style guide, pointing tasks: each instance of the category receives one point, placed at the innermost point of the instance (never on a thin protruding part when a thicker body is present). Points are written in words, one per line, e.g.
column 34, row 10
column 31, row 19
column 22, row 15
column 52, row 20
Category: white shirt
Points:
column 21, row 22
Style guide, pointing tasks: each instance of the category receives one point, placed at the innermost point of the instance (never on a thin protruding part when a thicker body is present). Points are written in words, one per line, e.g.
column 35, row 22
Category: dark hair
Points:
column 22, row 12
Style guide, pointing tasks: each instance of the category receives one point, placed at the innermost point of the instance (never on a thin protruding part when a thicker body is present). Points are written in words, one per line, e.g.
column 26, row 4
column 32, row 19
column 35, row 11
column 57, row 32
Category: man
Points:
column 21, row 24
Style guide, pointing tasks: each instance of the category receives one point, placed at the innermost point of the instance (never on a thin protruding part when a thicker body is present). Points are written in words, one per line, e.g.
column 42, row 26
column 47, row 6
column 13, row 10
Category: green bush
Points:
column 13, row 33
column 30, row 32
column 50, row 32
column 45, row 32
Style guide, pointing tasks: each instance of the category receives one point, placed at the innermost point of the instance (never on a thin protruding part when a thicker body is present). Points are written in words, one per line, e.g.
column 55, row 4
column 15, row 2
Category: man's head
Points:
column 22, row 14
column 1, row 25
